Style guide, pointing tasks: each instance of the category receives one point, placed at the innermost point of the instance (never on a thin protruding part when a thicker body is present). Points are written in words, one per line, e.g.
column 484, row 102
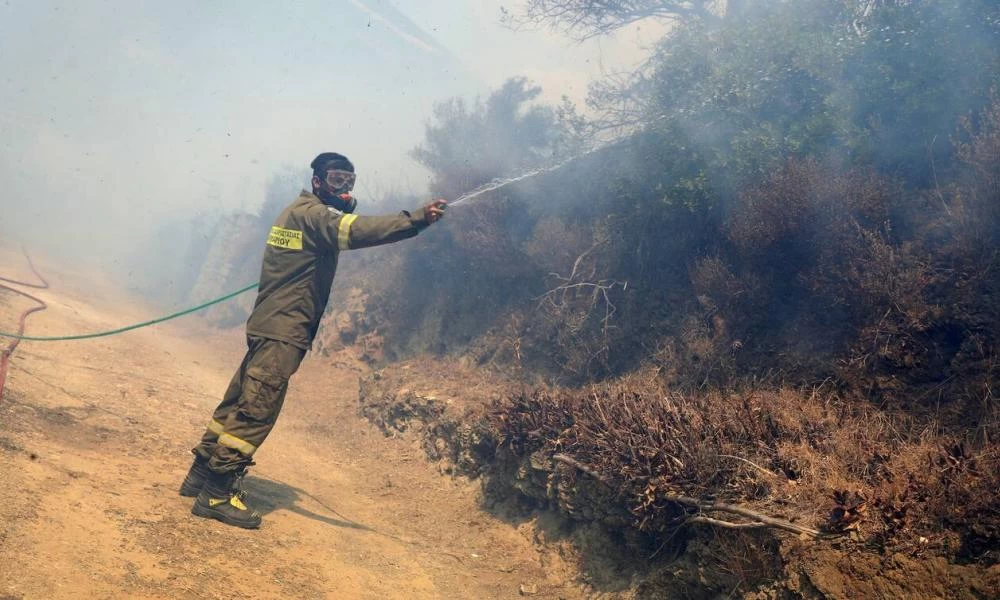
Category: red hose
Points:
column 9, row 350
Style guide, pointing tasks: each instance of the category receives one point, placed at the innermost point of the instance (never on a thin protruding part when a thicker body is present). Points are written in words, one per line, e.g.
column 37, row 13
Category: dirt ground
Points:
column 95, row 438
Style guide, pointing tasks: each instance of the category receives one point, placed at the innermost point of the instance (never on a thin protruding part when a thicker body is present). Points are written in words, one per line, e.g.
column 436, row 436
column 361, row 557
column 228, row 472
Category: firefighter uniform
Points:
column 299, row 264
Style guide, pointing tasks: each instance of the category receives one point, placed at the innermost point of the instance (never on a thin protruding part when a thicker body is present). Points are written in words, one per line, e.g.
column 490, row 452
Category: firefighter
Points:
column 300, row 260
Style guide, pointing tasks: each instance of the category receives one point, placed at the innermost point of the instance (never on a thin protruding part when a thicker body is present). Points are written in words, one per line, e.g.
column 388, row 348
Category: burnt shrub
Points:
column 621, row 453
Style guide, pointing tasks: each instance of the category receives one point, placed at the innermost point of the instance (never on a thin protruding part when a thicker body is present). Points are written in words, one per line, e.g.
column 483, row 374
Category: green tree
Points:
column 466, row 146
column 871, row 82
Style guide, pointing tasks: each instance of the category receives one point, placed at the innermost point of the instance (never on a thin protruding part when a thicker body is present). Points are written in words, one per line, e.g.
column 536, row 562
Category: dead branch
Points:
column 724, row 524
column 751, row 463
column 758, row 520
column 579, row 259
column 744, row 512
column 576, row 280
column 580, row 299
column 569, row 460
column 584, row 19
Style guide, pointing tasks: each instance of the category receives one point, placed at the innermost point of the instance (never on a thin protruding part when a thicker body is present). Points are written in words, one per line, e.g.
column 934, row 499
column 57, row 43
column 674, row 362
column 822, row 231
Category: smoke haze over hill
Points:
column 124, row 117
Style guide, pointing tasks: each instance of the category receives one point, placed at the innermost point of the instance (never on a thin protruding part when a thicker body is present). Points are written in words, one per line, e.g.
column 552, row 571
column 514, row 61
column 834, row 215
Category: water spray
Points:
column 499, row 183
column 489, row 187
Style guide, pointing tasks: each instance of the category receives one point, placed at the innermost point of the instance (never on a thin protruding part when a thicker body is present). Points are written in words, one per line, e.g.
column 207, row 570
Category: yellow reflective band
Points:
column 234, row 500
column 344, row 231
column 289, row 239
column 216, row 427
column 231, row 441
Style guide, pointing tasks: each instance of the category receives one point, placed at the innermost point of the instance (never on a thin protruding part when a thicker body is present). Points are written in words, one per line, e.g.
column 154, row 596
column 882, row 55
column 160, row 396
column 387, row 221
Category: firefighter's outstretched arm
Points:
column 350, row 232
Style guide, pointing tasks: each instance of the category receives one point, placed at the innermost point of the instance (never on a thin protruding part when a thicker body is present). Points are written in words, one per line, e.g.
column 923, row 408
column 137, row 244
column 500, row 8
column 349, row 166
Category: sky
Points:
column 116, row 116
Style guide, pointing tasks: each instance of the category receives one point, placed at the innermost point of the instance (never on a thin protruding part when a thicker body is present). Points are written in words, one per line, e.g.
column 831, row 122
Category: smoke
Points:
column 885, row 85
column 130, row 132
column 132, row 127
column 849, row 114
column 135, row 135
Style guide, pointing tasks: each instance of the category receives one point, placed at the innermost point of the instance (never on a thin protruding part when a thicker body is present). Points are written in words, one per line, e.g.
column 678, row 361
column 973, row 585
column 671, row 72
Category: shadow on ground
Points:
column 269, row 495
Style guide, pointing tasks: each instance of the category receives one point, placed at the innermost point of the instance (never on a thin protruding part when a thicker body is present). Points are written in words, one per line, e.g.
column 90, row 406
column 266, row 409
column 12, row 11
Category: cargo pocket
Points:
column 263, row 393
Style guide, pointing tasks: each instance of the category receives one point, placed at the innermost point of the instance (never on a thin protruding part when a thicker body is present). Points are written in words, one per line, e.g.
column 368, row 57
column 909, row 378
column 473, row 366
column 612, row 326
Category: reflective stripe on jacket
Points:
column 300, row 261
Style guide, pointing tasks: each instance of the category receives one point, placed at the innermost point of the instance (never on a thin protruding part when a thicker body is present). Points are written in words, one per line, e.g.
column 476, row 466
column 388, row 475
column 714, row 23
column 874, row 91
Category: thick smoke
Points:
column 130, row 131
column 660, row 243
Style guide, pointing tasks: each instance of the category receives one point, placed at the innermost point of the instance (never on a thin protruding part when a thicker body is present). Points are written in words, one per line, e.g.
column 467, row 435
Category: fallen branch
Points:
column 744, row 512
column 751, row 463
column 724, row 524
column 569, row 460
column 757, row 519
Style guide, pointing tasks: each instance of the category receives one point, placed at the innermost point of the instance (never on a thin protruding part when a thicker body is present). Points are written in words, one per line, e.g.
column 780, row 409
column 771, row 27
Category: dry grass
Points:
column 807, row 457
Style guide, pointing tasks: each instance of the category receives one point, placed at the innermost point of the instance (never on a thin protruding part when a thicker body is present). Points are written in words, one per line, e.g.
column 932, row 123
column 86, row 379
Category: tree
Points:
column 465, row 147
column 583, row 19
column 876, row 81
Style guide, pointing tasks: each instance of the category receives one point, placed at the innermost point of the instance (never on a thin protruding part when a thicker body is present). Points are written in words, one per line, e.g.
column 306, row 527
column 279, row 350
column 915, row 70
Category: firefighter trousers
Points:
column 250, row 406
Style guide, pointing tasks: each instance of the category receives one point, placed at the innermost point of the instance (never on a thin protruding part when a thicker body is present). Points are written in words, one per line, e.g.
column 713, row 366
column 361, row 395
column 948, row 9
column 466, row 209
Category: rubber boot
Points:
column 222, row 499
column 196, row 477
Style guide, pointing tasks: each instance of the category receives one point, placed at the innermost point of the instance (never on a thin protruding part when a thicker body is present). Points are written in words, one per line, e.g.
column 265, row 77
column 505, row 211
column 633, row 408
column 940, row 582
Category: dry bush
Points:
column 445, row 289
column 483, row 236
column 747, row 558
column 648, row 443
column 554, row 245
column 928, row 307
column 576, row 318
column 979, row 152
column 718, row 288
column 697, row 356
column 808, row 456
column 807, row 203
column 898, row 345
column 776, row 211
column 709, row 341
column 901, row 287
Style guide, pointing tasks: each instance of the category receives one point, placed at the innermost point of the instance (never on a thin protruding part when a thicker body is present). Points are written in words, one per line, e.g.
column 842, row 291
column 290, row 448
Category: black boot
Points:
column 222, row 499
column 196, row 477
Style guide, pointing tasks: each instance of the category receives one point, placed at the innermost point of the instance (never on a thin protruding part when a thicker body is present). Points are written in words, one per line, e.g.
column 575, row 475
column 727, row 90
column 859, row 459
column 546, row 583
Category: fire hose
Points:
column 41, row 305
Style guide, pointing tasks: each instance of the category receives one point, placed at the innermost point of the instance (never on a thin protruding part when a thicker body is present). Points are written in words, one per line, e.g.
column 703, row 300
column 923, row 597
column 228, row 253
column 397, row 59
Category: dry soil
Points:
column 95, row 438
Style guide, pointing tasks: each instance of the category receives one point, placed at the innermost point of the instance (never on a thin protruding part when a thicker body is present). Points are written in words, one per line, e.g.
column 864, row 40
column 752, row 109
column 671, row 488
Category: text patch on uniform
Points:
column 290, row 239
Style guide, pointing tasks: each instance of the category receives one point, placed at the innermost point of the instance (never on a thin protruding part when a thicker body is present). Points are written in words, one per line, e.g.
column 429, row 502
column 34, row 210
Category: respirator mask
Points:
column 340, row 184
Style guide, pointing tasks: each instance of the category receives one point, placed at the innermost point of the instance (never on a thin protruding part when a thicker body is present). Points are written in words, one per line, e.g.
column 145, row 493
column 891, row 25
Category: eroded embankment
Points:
column 777, row 494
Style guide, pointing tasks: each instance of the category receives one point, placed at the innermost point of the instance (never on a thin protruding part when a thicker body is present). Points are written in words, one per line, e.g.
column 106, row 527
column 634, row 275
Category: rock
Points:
column 529, row 589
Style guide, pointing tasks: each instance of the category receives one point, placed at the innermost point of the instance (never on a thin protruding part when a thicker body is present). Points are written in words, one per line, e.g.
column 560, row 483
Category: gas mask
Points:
column 339, row 185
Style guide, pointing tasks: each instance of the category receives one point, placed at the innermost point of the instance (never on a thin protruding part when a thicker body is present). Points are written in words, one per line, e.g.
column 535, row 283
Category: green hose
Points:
column 87, row 336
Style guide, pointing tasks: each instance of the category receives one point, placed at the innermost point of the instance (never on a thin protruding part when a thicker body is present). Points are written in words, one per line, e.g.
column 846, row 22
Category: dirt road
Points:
column 95, row 438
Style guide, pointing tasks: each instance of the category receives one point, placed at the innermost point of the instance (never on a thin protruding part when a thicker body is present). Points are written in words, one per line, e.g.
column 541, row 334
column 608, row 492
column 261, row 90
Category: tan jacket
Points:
column 300, row 260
